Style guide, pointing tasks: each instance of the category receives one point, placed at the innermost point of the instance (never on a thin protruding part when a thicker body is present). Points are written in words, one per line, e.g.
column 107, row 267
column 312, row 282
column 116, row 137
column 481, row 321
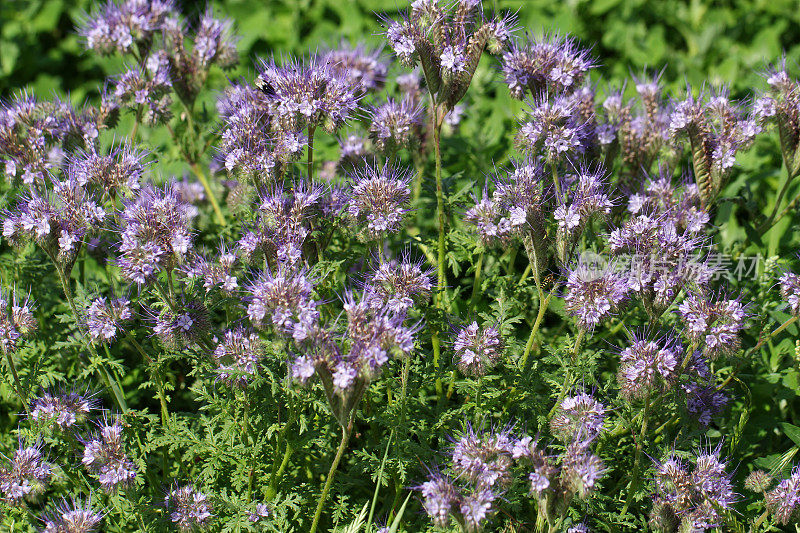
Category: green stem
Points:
column 637, row 461
column 568, row 378
column 476, row 284
column 115, row 388
column 556, row 181
column 211, row 198
column 310, row 160
column 162, row 398
column 346, row 432
column 543, row 305
column 17, row 384
column 769, row 222
column 441, row 277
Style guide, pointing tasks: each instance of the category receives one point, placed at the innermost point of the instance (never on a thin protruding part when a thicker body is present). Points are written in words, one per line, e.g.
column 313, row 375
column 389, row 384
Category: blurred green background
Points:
column 726, row 42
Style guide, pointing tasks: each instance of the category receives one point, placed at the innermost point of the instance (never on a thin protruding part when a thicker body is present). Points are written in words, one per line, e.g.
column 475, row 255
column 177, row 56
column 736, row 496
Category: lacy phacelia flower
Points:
column 440, row 498
column 154, row 233
column 693, row 499
column 580, row 469
column 103, row 317
column 394, row 125
column 550, row 64
column 285, row 299
column 477, row 350
column 246, row 145
column 182, row 325
column 362, row 67
column 104, row 456
column 648, row 367
column 704, row 400
column 146, row 90
column 783, row 502
column 593, row 291
column 57, row 220
column 715, row 322
column 238, row 356
column 16, row 320
column 397, row 285
column 578, row 418
column 218, row 273
column 122, row 27
column 515, row 207
column 379, row 198
column 587, row 199
column 119, row 171
column 790, row 291
column 72, row 517
column 758, row 481
column 283, row 222
column 308, row 94
column 188, row 508
column 484, row 459
column 62, row 410
column 555, row 129
column 24, row 476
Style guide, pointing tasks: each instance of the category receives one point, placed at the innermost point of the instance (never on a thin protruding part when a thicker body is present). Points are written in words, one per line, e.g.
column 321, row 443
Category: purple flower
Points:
column 477, row 350
column 379, row 199
column 154, row 232
column 238, row 356
column 697, row 497
column 362, row 67
column 440, row 496
column 247, row 145
column 554, row 130
column 121, row 27
column 103, row 317
column 104, row 456
column 215, row 42
column 285, row 299
column 476, row 508
column 72, row 516
column 578, row 418
column 593, row 294
column 397, row 284
column 484, row 458
column 552, row 63
column 25, row 476
column 62, row 410
column 790, row 291
column 714, row 321
column 119, row 171
column 394, row 125
column 189, row 508
column 783, row 502
column 580, row 470
column 181, row 325
column 16, row 320
column 648, row 366
column 587, row 199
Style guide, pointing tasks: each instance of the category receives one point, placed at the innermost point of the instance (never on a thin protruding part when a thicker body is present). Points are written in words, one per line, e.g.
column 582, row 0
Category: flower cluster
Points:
column 285, row 299
column 16, row 320
column 714, row 322
column 188, row 508
column 72, row 516
column 126, row 27
column 648, row 367
column 120, row 171
column 104, row 455
column 62, row 410
column 238, row 356
column 783, row 501
column 103, row 317
column 395, row 125
column 25, row 476
column 790, row 291
column 379, row 199
column 398, row 284
column 477, row 350
column 594, row 291
column 694, row 499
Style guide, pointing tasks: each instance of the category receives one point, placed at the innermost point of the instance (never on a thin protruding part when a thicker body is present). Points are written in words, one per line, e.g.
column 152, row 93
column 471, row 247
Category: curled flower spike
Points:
column 477, row 350
column 758, row 481
column 25, row 475
column 780, row 106
column 790, row 291
column 484, row 458
column 284, row 298
column 578, row 418
column 63, row 410
column 74, row 516
column 783, row 502
column 398, row 284
column 362, row 67
column 648, row 367
column 147, row 89
column 555, row 129
column 104, row 456
column 692, row 498
column 188, row 508
column 308, row 94
column 394, row 125
column 379, row 199
column 154, row 233
column 103, row 317
column 238, row 356
column 218, row 273
column 181, row 326
column 439, row 497
column 119, row 171
column 552, row 64
column 716, row 322
column 593, row 292
column 123, row 27
column 247, row 149
column 16, row 320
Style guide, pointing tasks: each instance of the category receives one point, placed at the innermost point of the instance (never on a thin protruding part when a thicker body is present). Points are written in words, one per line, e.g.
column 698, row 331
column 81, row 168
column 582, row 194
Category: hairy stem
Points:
column 543, row 305
column 346, row 432
column 17, row 384
column 476, row 284
column 637, row 461
column 211, row 198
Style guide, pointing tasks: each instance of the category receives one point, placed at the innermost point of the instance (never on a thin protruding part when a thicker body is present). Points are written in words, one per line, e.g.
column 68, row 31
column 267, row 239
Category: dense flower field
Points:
column 311, row 299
